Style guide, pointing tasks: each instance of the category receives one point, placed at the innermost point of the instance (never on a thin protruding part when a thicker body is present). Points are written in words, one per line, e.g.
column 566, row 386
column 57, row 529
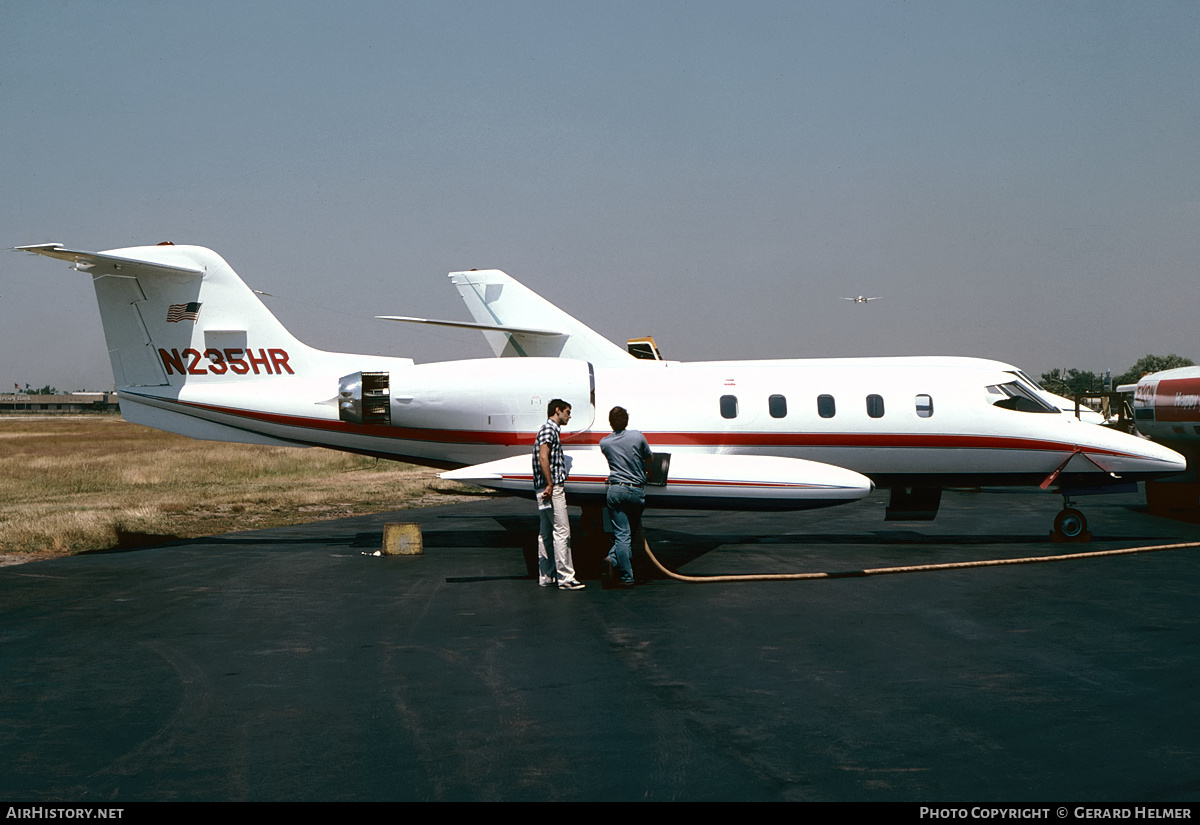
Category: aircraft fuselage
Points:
column 898, row 421
column 194, row 351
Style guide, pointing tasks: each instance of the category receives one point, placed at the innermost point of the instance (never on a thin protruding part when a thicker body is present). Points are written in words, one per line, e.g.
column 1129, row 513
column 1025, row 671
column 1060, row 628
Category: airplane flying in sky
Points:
column 194, row 351
column 860, row 299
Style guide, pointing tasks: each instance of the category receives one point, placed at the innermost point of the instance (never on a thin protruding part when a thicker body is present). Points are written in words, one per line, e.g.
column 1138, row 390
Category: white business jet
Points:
column 195, row 352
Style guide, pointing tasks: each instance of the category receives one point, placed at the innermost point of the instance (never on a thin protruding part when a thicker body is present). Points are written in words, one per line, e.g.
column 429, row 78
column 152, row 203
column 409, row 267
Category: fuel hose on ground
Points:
column 915, row 568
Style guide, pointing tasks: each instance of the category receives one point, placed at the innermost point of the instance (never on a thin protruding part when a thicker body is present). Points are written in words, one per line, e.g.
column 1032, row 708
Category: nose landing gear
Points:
column 1070, row 525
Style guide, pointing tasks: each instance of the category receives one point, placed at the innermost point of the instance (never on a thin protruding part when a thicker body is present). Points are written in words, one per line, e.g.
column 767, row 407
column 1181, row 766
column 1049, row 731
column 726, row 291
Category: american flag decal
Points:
column 182, row 312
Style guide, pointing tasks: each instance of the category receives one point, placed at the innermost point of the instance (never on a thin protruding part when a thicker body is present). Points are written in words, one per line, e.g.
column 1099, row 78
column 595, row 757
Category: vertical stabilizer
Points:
column 176, row 314
column 494, row 298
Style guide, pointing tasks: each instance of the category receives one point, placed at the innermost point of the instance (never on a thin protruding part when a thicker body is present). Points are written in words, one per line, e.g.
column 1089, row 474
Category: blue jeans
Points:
column 625, row 506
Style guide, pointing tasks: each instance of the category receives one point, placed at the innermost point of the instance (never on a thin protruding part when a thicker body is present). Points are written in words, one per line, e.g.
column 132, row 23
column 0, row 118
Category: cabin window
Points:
column 729, row 406
column 777, row 406
column 924, row 406
column 825, row 406
column 875, row 406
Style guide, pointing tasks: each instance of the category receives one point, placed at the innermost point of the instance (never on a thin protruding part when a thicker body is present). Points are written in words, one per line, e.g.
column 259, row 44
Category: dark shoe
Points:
column 570, row 586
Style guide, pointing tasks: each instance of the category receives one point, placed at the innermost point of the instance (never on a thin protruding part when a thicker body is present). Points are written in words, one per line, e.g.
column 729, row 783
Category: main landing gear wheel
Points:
column 1070, row 525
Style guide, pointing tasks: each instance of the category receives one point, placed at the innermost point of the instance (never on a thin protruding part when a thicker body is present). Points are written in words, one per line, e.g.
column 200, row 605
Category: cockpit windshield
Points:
column 1015, row 396
column 1029, row 383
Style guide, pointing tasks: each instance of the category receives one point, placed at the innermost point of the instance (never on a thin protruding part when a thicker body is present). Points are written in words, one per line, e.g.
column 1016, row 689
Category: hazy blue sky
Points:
column 1019, row 180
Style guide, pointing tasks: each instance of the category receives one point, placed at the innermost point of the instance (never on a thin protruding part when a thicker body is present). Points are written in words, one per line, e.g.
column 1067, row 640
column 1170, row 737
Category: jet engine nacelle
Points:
column 478, row 397
column 364, row 398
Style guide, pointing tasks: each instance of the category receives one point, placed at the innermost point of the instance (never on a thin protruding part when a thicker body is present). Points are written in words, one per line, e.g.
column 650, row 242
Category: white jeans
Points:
column 555, row 530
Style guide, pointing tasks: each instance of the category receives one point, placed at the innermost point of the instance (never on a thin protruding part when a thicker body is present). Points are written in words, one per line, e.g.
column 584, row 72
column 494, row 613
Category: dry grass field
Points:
column 71, row 484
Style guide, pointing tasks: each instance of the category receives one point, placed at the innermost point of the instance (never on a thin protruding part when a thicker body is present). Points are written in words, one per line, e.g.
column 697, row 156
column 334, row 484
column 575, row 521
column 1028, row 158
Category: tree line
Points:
column 1067, row 382
column 46, row 390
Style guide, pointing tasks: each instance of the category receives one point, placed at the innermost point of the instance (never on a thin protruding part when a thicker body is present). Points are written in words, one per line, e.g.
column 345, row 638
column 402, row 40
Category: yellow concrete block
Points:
column 402, row 539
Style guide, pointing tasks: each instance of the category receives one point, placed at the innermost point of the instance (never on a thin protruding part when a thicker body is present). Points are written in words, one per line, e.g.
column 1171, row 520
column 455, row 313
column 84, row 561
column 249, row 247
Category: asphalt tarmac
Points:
column 290, row 664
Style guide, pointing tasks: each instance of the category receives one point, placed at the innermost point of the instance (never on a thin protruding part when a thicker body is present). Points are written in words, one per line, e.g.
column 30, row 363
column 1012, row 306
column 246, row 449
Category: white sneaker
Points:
column 571, row 586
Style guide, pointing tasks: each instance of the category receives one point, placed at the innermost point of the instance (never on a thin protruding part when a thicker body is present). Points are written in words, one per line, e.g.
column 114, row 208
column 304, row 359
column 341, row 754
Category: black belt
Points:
column 624, row 484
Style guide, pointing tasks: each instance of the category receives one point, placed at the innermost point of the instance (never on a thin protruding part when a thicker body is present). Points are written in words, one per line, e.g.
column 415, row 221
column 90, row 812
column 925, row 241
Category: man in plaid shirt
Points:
column 549, row 478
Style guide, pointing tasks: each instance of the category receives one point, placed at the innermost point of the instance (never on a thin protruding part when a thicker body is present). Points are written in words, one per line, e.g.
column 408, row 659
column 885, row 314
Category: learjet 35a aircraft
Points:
column 195, row 352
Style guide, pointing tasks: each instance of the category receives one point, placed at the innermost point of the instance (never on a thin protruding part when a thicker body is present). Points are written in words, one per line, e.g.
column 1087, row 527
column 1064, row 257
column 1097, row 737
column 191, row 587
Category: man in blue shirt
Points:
column 549, row 480
column 628, row 457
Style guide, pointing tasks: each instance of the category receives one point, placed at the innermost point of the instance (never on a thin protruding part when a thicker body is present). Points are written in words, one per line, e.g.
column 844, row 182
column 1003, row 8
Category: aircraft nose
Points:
column 1162, row 458
column 1134, row 455
column 1176, row 461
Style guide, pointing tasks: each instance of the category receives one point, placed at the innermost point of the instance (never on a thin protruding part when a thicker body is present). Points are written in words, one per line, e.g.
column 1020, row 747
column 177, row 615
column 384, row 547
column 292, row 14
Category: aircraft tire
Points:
column 1070, row 524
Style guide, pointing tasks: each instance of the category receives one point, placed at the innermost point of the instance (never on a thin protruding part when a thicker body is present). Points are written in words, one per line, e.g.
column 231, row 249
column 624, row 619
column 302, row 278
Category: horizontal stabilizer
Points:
column 115, row 264
column 467, row 325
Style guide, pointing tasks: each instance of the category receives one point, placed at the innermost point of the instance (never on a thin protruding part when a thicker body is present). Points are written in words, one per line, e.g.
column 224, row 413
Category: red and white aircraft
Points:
column 195, row 352
column 1166, row 406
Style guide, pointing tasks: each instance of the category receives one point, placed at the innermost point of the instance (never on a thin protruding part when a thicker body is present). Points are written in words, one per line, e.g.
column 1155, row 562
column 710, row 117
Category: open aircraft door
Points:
column 583, row 410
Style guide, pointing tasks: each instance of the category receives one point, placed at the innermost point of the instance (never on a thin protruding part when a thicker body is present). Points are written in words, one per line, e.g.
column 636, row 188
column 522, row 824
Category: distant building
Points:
column 80, row 402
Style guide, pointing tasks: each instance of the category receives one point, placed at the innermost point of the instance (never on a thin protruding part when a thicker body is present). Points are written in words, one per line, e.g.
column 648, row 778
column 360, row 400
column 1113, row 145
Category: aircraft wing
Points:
column 107, row 262
column 694, row 480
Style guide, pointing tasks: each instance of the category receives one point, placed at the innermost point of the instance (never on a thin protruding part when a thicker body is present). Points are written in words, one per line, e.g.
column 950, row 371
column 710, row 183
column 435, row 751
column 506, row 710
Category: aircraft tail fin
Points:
column 497, row 302
column 177, row 313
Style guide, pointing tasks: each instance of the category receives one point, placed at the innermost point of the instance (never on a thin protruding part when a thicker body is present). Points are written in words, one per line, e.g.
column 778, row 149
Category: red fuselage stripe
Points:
column 658, row 439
